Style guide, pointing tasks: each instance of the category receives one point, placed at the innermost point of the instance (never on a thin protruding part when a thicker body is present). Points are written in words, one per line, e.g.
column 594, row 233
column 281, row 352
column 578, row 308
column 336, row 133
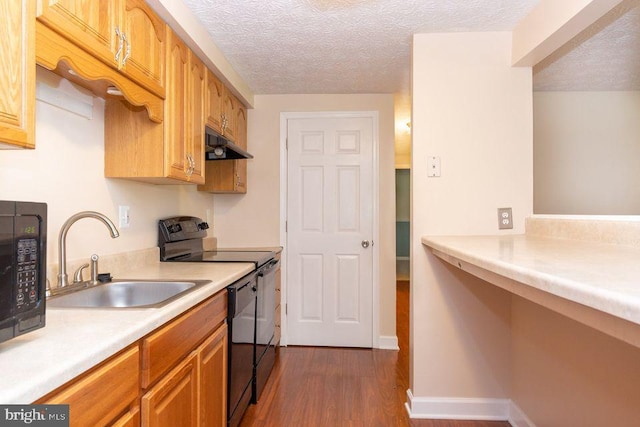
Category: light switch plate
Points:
column 505, row 218
column 124, row 216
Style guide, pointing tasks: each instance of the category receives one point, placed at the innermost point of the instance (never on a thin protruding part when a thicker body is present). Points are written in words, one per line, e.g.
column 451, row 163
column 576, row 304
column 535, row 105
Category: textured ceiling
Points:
column 339, row 46
column 606, row 56
column 363, row 46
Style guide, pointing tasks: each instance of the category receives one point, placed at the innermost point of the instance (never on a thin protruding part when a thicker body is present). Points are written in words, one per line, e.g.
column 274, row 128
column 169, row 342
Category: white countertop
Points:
column 605, row 277
column 75, row 340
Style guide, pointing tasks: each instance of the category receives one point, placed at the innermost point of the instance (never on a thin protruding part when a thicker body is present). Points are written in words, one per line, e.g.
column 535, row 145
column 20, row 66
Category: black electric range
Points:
column 251, row 309
column 181, row 240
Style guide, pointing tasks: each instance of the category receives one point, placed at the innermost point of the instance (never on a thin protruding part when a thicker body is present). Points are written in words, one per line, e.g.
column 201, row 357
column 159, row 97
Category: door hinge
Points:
column 286, row 309
column 286, row 226
column 286, row 144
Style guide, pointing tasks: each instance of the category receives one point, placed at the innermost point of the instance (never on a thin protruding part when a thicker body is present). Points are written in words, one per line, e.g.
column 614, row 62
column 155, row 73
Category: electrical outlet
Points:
column 433, row 166
column 505, row 218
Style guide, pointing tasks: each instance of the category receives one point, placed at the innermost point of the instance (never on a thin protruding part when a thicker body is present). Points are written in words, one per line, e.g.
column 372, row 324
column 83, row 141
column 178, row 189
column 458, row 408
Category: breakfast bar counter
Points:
column 597, row 284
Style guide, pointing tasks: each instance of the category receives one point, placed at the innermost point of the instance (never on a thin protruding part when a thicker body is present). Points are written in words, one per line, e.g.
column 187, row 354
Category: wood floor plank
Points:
column 344, row 387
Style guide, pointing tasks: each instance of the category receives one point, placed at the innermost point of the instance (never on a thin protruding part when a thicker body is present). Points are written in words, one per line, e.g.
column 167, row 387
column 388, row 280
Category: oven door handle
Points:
column 268, row 267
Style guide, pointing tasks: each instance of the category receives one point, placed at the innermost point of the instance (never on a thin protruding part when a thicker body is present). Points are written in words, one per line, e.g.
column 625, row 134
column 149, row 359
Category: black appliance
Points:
column 23, row 263
column 251, row 311
column 241, row 319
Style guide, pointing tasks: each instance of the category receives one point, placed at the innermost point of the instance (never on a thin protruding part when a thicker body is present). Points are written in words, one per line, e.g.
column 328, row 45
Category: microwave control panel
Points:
column 27, row 263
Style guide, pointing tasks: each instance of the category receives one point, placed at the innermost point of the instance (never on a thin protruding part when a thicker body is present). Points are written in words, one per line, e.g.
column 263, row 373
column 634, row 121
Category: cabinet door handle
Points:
column 128, row 53
column 224, row 123
column 192, row 166
column 120, row 46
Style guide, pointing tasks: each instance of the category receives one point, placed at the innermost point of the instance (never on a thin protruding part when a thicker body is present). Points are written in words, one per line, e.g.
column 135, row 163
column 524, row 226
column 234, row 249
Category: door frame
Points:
column 284, row 191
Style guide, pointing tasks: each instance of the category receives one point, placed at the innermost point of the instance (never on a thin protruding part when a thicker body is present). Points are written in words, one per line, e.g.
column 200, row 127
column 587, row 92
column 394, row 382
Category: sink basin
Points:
column 126, row 294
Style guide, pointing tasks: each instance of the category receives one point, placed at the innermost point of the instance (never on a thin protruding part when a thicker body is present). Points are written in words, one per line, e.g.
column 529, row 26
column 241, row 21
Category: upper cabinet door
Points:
column 175, row 109
column 91, row 24
column 213, row 103
column 144, row 43
column 240, row 180
column 17, row 75
column 229, row 116
column 197, row 82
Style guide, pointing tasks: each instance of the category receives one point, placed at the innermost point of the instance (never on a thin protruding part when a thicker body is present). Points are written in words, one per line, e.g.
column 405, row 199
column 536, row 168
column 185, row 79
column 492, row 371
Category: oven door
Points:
column 265, row 325
column 241, row 321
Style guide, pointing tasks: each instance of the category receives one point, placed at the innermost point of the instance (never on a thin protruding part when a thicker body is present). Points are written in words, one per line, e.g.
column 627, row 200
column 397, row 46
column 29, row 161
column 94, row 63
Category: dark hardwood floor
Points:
column 319, row 386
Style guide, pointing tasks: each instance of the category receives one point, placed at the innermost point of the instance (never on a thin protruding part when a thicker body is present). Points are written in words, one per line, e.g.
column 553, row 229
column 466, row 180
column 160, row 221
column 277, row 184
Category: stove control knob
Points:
column 203, row 226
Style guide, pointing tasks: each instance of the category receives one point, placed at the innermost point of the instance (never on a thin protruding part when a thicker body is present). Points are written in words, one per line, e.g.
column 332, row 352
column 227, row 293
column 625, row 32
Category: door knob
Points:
column 365, row 244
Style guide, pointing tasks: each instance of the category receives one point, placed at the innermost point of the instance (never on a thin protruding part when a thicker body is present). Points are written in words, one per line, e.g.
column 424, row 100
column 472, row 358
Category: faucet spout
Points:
column 63, row 279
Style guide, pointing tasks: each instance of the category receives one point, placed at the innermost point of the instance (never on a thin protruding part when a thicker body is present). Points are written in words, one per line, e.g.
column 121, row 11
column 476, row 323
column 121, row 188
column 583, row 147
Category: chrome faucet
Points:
column 63, row 280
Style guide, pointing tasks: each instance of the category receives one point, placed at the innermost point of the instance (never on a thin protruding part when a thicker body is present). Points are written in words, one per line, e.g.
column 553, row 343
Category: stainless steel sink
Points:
column 126, row 294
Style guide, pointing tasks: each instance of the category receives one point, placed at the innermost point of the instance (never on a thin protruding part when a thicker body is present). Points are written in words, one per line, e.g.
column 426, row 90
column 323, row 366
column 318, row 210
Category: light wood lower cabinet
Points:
column 194, row 393
column 175, row 376
column 174, row 400
column 100, row 396
column 212, row 362
column 130, row 419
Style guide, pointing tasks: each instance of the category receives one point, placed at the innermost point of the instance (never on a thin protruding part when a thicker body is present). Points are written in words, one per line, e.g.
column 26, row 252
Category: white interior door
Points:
column 330, row 229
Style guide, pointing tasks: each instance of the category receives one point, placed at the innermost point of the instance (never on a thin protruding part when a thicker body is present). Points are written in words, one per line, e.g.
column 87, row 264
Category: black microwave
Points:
column 23, row 263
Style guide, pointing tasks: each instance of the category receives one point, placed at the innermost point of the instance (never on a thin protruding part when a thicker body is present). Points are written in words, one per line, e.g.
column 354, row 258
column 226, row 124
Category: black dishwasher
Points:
column 241, row 320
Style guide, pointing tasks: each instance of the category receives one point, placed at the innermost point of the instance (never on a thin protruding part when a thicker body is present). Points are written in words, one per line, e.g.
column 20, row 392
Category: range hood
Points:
column 217, row 147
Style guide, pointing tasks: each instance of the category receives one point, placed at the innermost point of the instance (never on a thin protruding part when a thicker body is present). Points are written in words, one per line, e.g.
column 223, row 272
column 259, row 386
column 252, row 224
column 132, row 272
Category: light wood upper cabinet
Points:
column 124, row 34
column 214, row 95
column 196, row 85
column 229, row 176
column 184, row 124
column 17, row 75
column 167, row 153
column 145, row 36
column 175, row 131
column 90, row 24
column 229, row 105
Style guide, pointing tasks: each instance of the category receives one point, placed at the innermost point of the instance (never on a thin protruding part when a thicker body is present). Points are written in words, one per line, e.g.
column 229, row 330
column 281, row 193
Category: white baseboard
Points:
column 453, row 408
column 388, row 342
column 517, row 418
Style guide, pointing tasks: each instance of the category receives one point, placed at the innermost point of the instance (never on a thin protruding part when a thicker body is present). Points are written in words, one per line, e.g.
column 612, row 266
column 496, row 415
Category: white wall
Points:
column 474, row 111
column 586, row 153
column 568, row 374
column 254, row 218
column 66, row 171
